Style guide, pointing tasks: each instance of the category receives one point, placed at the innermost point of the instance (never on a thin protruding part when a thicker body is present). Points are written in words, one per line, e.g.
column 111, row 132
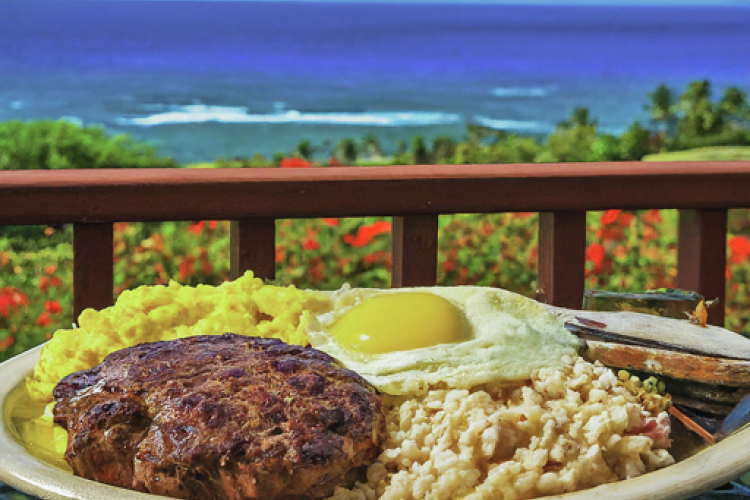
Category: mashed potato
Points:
column 564, row 430
column 152, row 313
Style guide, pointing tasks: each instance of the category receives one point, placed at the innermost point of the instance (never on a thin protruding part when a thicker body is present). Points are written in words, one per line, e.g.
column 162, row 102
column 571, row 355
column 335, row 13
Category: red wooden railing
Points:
column 414, row 195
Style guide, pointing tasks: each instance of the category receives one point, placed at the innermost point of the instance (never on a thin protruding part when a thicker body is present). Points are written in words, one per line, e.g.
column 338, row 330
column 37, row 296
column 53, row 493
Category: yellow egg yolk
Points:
column 399, row 322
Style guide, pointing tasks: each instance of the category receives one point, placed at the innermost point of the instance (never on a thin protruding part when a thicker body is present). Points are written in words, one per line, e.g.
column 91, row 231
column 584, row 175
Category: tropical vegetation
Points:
column 626, row 251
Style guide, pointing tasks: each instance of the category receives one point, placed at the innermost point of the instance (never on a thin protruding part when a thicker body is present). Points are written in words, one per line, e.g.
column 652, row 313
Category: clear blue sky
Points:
column 739, row 3
column 545, row 2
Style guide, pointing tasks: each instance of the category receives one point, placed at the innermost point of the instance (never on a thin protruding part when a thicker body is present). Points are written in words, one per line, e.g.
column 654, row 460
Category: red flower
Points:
column 43, row 283
column 55, row 281
column 11, row 298
column 53, row 307
column 6, row 342
column 649, row 233
column 186, row 267
column 213, row 224
column 279, row 254
column 448, row 266
column 295, row 162
column 331, row 222
column 5, row 302
column 610, row 216
column 626, row 219
column 196, row 228
column 332, row 161
column 652, row 217
column 611, row 233
column 43, row 319
column 315, row 271
column 367, row 233
column 311, row 244
column 19, row 298
column 207, row 268
column 50, row 269
column 524, row 215
column 378, row 227
column 157, row 242
column 595, row 254
column 375, row 257
column 740, row 247
column 620, row 252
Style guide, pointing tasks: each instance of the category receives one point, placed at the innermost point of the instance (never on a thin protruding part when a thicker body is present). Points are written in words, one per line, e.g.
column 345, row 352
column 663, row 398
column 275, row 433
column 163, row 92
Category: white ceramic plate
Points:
column 708, row 469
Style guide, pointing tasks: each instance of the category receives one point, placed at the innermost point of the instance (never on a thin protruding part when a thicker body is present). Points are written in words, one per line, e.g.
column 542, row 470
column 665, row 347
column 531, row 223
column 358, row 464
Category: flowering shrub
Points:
column 489, row 250
column 36, row 296
column 155, row 253
column 626, row 251
column 326, row 253
column 631, row 251
column 295, row 162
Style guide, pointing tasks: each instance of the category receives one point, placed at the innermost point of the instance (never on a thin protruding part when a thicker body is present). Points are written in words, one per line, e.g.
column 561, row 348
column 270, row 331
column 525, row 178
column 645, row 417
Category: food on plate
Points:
column 244, row 306
column 484, row 393
column 456, row 337
column 216, row 417
column 502, row 408
column 704, row 368
column 564, row 430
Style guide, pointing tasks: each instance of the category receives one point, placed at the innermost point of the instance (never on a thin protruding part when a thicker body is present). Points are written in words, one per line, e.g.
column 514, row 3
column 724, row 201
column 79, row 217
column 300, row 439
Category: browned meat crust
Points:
column 220, row 417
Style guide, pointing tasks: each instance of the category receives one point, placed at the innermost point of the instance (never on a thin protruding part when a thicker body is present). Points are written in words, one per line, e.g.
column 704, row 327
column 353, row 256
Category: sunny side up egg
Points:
column 406, row 341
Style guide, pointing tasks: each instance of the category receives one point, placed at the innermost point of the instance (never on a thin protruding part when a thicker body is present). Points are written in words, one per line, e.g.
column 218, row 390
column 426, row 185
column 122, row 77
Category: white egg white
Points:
column 510, row 337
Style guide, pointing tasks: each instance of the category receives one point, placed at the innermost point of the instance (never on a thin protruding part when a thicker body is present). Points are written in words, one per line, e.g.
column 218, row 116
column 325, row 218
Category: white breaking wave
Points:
column 199, row 113
column 520, row 92
column 519, row 125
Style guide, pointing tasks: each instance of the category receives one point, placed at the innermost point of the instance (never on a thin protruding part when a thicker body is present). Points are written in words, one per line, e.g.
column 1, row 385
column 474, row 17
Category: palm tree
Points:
column 347, row 150
column 443, row 149
column 735, row 105
column 475, row 134
column 696, row 92
column 305, row 149
column 661, row 109
column 371, row 146
column 419, row 150
column 700, row 116
column 581, row 117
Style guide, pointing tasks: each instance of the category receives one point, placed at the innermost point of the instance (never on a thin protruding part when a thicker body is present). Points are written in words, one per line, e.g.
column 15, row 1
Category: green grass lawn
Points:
column 704, row 154
column 201, row 165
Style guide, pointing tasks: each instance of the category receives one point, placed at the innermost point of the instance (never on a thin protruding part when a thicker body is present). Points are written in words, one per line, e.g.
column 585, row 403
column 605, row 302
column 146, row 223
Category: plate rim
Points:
column 702, row 472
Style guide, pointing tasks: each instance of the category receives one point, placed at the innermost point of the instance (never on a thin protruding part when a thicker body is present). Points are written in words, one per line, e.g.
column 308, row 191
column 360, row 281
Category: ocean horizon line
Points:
column 510, row 3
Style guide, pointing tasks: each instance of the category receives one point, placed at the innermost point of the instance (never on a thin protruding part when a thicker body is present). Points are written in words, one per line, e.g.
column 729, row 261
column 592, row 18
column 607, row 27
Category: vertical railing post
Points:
column 93, row 267
column 253, row 247
column 415, row 250
column 702, row 257
column 562, row 258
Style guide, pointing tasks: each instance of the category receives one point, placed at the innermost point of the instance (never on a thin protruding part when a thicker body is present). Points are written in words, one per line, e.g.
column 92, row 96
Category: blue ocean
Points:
column 208, row 79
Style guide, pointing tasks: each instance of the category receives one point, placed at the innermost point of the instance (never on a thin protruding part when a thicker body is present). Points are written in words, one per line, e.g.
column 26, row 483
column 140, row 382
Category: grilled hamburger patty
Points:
column 220, row 417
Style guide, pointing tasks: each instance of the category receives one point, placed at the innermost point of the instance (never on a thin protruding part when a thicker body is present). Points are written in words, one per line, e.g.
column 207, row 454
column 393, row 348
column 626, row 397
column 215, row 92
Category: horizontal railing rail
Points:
column 413, row 195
